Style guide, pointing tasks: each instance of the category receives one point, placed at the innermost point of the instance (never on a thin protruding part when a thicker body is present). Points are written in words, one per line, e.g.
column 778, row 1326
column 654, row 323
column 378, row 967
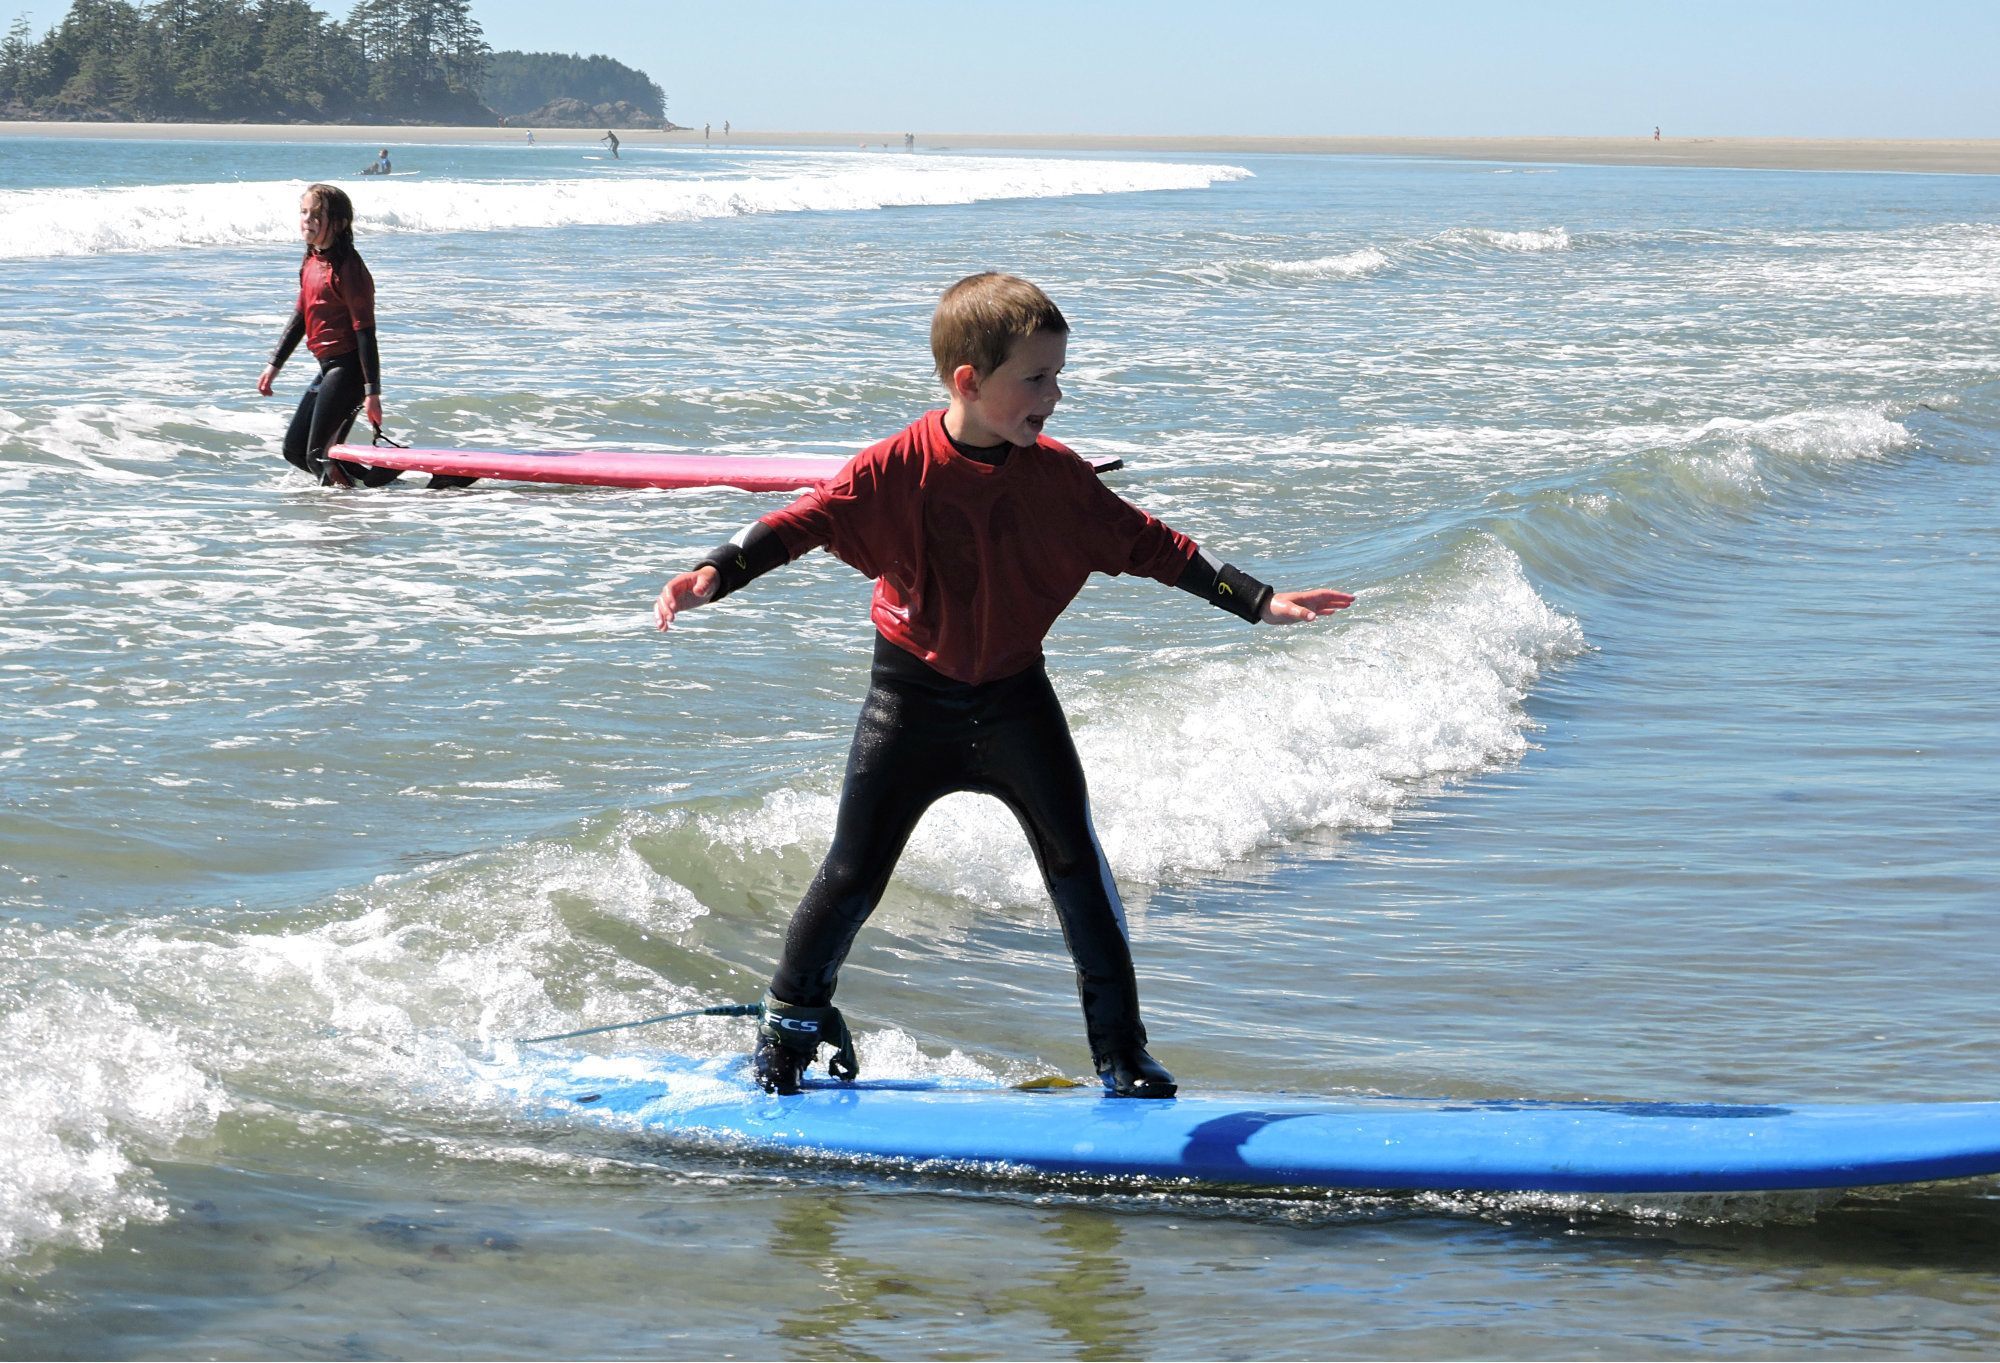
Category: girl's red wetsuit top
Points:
column 335, row 303
column 973, row 563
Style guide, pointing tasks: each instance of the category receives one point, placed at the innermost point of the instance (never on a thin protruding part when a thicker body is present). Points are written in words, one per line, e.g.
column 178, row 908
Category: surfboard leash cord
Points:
column 720, row 1010
column 754, row 1010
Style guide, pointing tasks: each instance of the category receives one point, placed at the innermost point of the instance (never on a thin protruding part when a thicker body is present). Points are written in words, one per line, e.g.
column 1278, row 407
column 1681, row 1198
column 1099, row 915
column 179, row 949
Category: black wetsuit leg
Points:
column 1028, row 759
column 922, row 736
column 325, row 414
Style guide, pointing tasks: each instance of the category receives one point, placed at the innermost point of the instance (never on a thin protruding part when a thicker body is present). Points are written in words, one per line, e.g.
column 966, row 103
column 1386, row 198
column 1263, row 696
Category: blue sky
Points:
column 1772, row 68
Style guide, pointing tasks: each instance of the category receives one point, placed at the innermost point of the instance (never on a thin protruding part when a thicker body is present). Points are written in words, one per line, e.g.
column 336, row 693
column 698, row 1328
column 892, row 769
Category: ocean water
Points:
column 1659, row 758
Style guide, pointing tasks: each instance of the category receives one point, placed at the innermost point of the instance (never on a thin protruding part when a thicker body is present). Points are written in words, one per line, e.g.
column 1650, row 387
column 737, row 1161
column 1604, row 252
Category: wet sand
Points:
column 1968, row 156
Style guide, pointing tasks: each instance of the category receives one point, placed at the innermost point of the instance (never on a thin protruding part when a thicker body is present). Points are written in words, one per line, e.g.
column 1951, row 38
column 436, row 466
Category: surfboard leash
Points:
column 756, row 1010
column 720, row 1010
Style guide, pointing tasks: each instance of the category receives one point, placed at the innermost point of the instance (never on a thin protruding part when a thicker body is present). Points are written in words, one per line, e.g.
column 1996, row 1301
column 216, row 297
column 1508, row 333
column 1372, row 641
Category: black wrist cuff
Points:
column 1232, row 589
column 1241, row 594
column 754, row 551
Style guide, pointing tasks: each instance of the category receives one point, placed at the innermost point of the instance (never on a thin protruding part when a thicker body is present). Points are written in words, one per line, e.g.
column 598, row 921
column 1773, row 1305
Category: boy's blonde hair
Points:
column 981, row 317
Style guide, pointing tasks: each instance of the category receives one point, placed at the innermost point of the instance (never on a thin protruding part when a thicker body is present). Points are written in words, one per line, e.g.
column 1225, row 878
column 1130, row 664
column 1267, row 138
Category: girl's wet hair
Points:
column 338, row 210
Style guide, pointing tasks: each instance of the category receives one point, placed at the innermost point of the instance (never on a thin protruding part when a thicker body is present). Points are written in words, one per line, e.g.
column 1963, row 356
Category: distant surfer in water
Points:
column 979, row 531
column 612, row 138
column 381, row 166
column 335, row 317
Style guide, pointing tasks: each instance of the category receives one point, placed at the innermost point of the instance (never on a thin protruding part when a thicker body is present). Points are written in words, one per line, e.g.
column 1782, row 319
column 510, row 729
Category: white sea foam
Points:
column 1951, row 262
column 1732, row 455
column 38, row 223
column 1347, row 265
column 1839, row 432
column 1368, row 261
column 92, row 1090
column 1548, row 239
column 123, row 442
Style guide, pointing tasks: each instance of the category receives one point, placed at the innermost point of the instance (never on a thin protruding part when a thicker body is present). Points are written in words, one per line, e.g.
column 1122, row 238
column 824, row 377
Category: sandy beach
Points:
column 1968, row 156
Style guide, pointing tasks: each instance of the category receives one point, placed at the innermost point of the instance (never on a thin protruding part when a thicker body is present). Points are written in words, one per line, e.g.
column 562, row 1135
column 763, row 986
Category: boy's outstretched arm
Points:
column 1296, row 608
column 753, row 551
column 1245, row 597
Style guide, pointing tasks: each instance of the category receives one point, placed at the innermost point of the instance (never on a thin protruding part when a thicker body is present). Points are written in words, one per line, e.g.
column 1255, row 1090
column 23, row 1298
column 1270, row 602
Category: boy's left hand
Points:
column 1296, row 608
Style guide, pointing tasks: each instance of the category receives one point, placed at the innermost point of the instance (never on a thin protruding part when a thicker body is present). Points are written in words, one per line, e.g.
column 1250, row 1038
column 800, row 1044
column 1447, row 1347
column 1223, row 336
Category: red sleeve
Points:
column 1147, row 546
column 357, row 290
column 847, row 514
column 1127, row 539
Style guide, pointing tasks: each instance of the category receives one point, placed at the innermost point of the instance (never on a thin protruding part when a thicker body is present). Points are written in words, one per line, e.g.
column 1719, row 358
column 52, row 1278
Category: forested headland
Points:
column 283, row 61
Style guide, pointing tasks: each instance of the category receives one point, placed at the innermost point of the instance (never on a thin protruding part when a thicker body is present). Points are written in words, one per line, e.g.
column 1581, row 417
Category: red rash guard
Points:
column 335, row 303
column 972, row 564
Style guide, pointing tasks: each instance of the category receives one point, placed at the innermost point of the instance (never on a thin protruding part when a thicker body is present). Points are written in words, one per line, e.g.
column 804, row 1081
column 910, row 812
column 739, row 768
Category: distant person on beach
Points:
column 909, row 141
column 1656, row 132
column 612, row 138
column 725, row 127
column 335, row 316
column 704, row 132
column 531, row 137
column 979, row 531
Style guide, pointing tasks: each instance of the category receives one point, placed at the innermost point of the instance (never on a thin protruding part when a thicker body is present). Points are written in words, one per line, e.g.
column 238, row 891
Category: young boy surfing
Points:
column 979, row 531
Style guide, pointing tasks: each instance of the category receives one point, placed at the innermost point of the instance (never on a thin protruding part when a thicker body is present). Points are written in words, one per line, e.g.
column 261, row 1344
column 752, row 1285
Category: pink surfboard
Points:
column 616, row 468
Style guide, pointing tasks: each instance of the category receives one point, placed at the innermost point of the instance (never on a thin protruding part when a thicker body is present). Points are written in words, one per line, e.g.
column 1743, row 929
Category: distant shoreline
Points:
column 1961, row 156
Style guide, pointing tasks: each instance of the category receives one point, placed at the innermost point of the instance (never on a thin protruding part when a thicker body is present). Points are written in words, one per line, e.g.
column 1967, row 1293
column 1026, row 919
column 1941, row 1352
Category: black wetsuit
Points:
column 922, row 736
column 323, row 418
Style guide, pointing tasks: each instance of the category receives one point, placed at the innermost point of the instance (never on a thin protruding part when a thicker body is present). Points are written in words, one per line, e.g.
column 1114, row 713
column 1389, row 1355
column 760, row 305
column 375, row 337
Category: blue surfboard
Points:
column 1271, row 1139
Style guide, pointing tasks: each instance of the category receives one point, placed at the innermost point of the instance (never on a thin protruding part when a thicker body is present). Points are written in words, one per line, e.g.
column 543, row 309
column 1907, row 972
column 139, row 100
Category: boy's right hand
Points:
column 682, row 593
column 266, row 379
column 1294, row 608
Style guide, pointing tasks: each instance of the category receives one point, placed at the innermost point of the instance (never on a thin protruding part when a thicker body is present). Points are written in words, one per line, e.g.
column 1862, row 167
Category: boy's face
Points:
column 1012, row 403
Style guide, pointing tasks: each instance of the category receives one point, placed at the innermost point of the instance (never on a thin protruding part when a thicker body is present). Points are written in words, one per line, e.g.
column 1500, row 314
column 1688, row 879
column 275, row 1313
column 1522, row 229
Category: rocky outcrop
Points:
column 574, row 113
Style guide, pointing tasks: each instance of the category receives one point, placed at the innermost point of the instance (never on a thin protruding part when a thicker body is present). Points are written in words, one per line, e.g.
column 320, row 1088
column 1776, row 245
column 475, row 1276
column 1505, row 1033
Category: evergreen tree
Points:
column 19, row 58
column 91, row 40
column 299, row 64
column 145, row 82
column 422, row 55
column 260, row 59
column 217, row 75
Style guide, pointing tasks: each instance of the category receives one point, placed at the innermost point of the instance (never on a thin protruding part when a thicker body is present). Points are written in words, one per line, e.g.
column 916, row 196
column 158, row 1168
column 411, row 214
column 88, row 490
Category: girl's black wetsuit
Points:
column 324, row 416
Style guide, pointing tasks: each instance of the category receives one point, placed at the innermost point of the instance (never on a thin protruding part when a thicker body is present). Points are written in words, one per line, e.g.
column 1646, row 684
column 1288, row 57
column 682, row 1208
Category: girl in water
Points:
column 335, row 316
